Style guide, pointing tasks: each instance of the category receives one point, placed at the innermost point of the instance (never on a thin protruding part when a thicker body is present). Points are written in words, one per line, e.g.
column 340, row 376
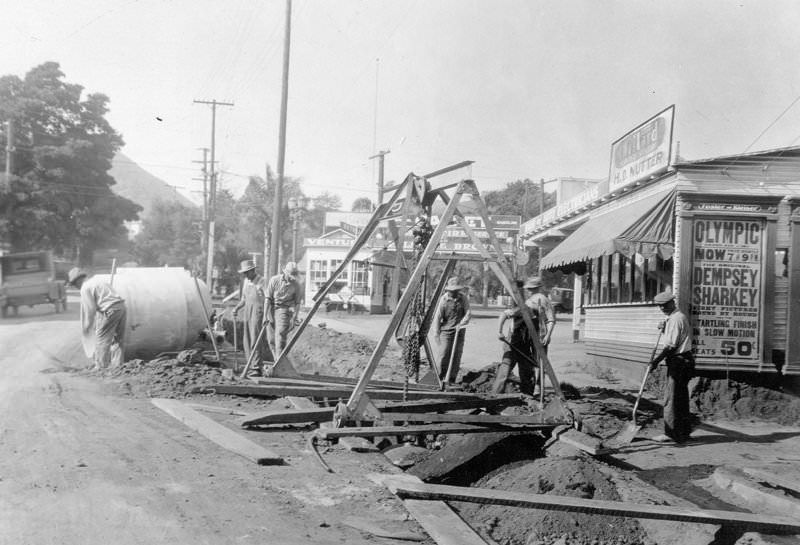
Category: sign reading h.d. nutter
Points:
column 643, row 152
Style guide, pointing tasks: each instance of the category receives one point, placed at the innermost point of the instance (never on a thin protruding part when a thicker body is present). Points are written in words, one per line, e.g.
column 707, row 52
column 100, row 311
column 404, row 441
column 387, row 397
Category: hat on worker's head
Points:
column 453, row 284
column 291, row 269
column 532, row 283
column 247, row 265
column 663, row 298
column 74, row 274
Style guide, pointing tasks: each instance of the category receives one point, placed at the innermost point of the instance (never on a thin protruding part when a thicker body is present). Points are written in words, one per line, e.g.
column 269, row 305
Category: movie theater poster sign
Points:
column 727, row 266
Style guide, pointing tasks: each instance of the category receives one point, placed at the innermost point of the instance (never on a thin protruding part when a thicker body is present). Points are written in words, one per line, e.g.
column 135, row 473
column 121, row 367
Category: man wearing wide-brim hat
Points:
column 251, row 301
column 677, row 351
column 103, row 308
column 452, row 316
column 284, row 295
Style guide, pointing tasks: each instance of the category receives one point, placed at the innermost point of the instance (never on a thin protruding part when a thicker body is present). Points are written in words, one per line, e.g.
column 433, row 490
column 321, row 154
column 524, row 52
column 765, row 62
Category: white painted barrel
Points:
column 165, row 310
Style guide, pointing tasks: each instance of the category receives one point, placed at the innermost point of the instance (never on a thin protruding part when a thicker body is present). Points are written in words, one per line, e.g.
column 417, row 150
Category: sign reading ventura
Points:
column 643, row 152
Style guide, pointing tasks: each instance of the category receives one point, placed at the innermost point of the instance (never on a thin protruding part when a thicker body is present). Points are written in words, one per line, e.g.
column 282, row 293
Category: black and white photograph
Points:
column 448, row 272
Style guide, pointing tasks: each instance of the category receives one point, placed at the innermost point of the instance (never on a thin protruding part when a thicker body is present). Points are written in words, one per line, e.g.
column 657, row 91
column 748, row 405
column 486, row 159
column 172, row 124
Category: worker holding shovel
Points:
column 252, row 303
column 677, row 351
column 518, row 348
column 452, row 316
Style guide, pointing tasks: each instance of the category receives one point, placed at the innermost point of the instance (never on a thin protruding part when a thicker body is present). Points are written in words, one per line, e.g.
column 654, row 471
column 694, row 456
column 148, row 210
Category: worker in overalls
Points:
column 251, row 300
column 452, row 316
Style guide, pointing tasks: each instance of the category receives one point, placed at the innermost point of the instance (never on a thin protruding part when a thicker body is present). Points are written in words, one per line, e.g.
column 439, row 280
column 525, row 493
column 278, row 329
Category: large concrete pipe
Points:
column 165, row 312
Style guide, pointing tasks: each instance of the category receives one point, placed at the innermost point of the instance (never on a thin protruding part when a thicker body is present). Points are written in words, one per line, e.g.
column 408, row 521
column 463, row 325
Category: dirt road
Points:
column 80, row 465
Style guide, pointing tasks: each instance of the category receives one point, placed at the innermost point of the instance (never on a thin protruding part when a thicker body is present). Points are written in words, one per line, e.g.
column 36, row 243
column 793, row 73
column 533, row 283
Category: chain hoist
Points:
column 421, row 231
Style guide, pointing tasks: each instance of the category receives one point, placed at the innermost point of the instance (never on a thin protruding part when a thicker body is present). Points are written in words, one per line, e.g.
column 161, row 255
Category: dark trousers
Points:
column 677, row 419
column 448, row 337
column 527, row 370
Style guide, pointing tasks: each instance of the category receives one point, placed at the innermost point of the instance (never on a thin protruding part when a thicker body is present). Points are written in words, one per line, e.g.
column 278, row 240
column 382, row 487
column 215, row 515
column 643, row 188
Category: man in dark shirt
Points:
column 452, row 315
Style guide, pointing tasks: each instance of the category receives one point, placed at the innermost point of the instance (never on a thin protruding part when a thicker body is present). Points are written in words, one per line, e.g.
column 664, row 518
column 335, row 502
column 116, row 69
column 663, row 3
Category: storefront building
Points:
column 366, row 283
column 720, row 233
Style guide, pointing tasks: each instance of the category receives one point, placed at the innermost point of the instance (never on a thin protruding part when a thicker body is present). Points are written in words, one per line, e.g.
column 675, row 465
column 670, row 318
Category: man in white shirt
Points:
column 284, row 294
column 103, row 308
column 677, row 351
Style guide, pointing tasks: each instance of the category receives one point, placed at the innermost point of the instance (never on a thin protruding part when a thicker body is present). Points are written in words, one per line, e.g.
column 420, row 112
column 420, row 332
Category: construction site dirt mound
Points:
column 572, row 476
column 328, row 352
column 741, row 400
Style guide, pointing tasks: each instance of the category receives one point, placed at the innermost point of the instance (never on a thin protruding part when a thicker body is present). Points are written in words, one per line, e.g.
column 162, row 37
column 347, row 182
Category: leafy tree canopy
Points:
column 362, row 204
column 59, row 196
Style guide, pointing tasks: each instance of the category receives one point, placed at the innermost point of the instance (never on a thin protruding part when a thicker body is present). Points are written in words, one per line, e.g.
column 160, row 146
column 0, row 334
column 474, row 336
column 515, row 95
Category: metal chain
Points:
column 422, row 232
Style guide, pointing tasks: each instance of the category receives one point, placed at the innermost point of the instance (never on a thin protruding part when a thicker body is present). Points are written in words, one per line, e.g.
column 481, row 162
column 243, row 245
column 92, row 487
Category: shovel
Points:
column 626, row 434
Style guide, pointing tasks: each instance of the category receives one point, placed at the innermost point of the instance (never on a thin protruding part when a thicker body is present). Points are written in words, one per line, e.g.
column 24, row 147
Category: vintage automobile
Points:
column 29, row 279
column 562, row 299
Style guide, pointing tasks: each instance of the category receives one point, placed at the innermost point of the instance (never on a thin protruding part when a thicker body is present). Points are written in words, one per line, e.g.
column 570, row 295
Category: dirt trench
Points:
column 519, row 467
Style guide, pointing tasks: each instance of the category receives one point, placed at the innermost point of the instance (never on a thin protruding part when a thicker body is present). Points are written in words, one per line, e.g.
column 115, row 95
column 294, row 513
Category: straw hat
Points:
column 452, row 284
column 247, row 265
column 74, row 274
column 533, row 282
column 291, row 269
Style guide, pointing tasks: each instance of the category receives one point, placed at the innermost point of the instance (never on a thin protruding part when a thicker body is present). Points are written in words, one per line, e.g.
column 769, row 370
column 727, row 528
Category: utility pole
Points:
column 205, row 194
column 212, row 195
column 274, row 256
column 380, row 156
column 9, row 151
column 541, row 211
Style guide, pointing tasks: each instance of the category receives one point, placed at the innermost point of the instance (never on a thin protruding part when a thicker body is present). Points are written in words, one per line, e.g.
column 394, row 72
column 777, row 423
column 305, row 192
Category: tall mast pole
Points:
column 274, row 256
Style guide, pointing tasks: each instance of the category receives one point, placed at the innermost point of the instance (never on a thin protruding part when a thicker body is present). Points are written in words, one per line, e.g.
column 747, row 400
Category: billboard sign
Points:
column 726, row 296
column 643, row 152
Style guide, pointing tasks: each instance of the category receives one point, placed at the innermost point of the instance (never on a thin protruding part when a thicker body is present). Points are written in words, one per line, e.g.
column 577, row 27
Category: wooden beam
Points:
column 436, row 517
column 746, row 521
column 502, row 420
column 380, row 431
column 325, row 391
column 219, row 434
column 324, row 414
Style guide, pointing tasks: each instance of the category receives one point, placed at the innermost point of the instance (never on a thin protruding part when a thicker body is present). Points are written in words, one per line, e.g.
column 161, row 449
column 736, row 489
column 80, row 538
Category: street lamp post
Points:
column 297, row 209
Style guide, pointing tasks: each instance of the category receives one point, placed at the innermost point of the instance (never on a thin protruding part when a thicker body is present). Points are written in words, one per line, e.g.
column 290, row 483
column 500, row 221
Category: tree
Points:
column 59, row 195
column 362, row 204
column 327, row 201
column 170, row 235
column 518, row 198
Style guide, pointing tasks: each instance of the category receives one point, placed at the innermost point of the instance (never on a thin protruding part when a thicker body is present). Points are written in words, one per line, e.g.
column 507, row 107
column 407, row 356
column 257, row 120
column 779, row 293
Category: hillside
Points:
column 138, row 185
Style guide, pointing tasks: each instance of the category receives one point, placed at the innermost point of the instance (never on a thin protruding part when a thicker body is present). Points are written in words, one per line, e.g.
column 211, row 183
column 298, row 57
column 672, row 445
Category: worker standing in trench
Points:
column 252, row 301
column 518, row 348
column 103, row 308
column 283, row 304
column 677, row 351
column 452, row 315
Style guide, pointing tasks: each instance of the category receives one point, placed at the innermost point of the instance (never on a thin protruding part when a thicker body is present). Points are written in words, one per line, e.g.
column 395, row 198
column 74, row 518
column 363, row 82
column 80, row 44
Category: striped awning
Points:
column 645, row 226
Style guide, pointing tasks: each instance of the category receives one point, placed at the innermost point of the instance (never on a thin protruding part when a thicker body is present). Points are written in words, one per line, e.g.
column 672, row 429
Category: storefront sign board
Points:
column 726, row 293
column 643, row 152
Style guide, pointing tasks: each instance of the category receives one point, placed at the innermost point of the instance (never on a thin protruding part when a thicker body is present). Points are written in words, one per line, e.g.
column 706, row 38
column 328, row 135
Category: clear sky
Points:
column 524, row 88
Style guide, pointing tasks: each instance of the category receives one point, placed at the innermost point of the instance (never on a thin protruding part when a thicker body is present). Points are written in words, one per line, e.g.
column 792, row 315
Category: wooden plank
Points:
column 755, row 494
column 436, row 517
column 215, row 409
column 324, row 381
column 219, row 434
column 469, row 418
column 357, row 444
column 781, row 481
column 379, row 431
column 326, row 391
column 746, row 521
column 302, row 403
column 323, row 414
column 584, row 442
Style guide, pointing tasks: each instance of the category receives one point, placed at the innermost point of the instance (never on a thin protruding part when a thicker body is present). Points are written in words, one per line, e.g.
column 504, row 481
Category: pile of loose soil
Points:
column 572, row 476
column 328, row 352
column 319, row 351
column 733, row 399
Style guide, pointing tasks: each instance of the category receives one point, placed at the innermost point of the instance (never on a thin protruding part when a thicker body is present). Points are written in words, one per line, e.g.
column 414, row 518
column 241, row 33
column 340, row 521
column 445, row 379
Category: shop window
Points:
column 335, row 264
column 318, row 271
column 618, row 279
column 782, row 262
column 360, row 278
